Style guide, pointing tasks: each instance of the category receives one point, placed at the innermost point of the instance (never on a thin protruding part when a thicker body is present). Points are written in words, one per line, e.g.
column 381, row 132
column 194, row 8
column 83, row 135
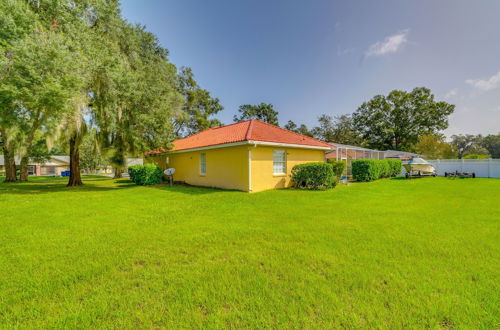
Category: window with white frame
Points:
column 279, row 162
column 203, row 163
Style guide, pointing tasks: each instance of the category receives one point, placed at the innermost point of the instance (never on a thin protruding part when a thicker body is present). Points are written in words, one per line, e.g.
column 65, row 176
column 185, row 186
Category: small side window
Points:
column 203, row 163
column 279, row 162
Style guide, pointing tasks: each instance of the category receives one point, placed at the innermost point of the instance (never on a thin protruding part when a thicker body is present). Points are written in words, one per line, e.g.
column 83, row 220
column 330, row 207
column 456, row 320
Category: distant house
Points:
column 134, row 161
column 53, row 166
column 248, row 156
column 56, row 164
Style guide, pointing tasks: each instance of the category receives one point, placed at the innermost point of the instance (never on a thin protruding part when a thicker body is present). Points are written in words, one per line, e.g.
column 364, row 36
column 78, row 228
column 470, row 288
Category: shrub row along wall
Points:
column 145, row 175
column 339, row 167
column 373, row 169
column 316, row 176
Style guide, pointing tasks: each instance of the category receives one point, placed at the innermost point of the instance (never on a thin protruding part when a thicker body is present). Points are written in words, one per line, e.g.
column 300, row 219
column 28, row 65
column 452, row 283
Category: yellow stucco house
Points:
column 249, row 156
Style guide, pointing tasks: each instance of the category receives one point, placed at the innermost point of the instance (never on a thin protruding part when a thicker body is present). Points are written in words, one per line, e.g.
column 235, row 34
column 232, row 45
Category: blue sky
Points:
column 313, row 57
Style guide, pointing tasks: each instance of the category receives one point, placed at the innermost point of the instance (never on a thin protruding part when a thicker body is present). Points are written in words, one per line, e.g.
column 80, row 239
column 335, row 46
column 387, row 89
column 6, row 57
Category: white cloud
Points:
column 485, row 85
column 390, row 44
column 451, row 93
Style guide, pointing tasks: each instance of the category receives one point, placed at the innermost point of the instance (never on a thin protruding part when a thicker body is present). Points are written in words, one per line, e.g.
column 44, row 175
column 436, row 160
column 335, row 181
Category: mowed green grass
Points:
column 388, row 254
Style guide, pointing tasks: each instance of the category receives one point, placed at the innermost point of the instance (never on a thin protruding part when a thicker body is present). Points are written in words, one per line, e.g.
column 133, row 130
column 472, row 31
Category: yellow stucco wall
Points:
column 262, row 165
column 226, row 167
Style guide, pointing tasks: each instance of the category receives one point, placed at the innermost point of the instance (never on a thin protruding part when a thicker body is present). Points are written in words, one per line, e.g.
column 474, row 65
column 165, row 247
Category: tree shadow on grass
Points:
column 192, row 190
column 415, row 177
column 307, row 191
column 399, row 178
column 57, row 187
column 128, row 181
column 97, row 185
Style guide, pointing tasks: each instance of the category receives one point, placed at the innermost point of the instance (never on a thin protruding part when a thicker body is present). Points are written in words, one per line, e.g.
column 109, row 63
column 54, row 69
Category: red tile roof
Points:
column 250, row 130
column 331, row 155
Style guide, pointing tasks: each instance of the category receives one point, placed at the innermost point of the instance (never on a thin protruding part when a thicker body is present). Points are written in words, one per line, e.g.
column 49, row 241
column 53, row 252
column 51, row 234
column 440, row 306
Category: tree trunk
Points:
column 74, row 163
column 9, row 161
column 118, row 173
column 10, row 169
column 118, row 160
column 23, row 176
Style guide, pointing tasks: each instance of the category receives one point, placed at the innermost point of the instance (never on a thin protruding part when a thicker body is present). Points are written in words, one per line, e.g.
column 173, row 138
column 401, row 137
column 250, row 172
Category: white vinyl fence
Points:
column 484, row 168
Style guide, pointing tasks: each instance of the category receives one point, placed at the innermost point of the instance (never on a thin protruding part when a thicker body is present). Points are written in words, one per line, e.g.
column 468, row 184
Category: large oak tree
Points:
column 397, row 120
column 68, row 68
column 199, row 106
column 338, row 129
column 263, row 112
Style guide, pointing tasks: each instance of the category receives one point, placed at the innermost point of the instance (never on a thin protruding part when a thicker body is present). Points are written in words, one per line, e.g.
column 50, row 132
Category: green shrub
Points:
column 145, row 175
column 373, row 169
column 395, row 166
column 384, row 168
column 338, row 167
column 132, row 171
column 365, row 169
column 476, row 156
column 317, row 176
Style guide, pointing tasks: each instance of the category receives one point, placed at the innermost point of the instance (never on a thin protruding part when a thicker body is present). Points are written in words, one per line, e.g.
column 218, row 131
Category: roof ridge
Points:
column 190, row 135
column 223, row 126
column 210, row 128
column 249, row 130
column 286, row 130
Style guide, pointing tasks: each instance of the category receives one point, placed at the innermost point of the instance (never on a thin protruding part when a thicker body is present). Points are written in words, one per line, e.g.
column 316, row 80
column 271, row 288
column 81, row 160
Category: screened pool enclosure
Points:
column 349, row 153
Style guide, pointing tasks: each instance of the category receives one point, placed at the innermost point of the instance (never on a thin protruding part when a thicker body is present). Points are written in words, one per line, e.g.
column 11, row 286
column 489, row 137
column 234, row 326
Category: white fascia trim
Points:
column 255, row 143
column 207, row 147
column 290, row 145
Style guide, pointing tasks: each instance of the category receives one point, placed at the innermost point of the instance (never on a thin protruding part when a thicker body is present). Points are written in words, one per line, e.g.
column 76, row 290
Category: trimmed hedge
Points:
column 385, row 170
column 395, row 166
column 373, row 169
column 145, row 175
column 314, row 176
column 365, row 169
column 338, row 167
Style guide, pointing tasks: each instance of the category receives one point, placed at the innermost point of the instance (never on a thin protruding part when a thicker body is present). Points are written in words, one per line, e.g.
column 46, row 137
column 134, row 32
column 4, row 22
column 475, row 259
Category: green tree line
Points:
column 407, row 121
column 76, row 77
column 75, row 74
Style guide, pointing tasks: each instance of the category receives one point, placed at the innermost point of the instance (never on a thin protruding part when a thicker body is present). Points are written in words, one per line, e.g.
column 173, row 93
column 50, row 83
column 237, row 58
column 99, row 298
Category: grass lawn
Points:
column 61, row 178
column 388, row 254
